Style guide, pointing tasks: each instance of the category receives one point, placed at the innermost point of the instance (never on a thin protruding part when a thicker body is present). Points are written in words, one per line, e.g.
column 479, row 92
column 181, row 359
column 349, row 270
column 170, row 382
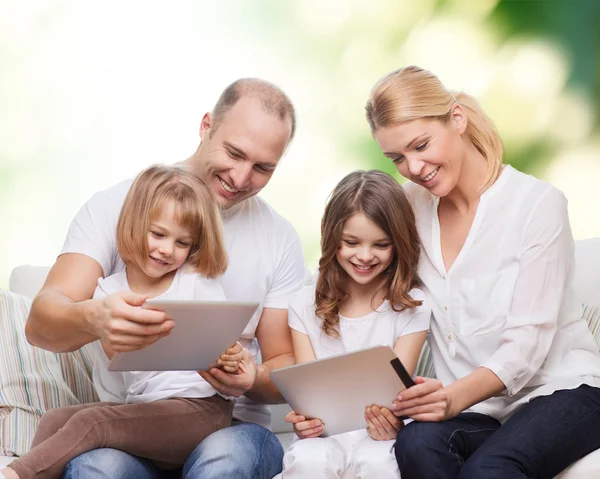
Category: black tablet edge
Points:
column 402, row 372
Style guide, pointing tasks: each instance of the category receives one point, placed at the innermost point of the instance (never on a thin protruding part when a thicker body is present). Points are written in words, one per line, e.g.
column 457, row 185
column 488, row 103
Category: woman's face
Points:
column 427, row 152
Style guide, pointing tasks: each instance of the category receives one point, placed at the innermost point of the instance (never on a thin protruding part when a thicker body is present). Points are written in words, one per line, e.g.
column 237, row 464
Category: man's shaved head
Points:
column 271, row 98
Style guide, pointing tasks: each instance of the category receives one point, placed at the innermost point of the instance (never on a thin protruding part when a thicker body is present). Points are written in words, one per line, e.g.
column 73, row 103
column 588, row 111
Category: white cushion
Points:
column 27, row 280
column 586, row 468
column 5, row 460
column 586, row 280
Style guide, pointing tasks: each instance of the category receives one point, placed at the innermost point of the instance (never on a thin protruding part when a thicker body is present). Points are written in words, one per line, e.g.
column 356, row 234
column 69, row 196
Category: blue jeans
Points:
column 539, row 441
column 244, row 450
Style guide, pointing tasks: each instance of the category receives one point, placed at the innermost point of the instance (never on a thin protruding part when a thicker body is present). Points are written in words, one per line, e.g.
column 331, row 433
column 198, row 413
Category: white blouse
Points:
column 507, row 303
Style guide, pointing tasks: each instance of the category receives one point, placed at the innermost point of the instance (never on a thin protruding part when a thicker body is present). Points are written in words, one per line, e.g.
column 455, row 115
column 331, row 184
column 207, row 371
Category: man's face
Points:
column 238, row 159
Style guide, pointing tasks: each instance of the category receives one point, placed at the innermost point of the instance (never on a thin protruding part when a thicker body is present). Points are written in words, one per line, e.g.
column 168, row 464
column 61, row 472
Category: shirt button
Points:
column 450, row 337
column 445, row 308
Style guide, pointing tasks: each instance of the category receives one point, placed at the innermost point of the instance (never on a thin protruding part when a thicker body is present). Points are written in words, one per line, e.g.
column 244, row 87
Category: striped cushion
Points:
column 33, row 380
column 425, row 366
column 592, row 315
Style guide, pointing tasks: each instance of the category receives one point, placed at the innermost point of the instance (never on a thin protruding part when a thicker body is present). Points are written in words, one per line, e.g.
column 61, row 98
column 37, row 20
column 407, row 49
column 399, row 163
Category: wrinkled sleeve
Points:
column 545, row 268
column 297, row 314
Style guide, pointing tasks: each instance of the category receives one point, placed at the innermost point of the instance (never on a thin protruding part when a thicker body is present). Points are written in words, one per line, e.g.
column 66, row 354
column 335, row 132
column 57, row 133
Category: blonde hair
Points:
column 381, row 199
column 412, row 93
column 195, row 209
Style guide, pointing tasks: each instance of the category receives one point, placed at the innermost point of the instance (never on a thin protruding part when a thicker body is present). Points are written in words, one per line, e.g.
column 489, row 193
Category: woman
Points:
column 518, row 388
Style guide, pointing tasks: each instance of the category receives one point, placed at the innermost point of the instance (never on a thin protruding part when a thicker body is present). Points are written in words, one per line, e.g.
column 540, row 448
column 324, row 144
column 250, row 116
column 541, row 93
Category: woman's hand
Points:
column 427, row 401
column 305, row 429
column 230, row 359
column 382, row 425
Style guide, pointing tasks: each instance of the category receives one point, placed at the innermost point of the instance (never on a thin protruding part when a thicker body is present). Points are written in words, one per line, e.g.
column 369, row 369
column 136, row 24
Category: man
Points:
column 242, row 141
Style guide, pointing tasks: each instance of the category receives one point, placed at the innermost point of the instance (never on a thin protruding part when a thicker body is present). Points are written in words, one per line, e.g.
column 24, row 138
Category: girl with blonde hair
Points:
column 367, row 294
column 169, row 237
column 517, row 392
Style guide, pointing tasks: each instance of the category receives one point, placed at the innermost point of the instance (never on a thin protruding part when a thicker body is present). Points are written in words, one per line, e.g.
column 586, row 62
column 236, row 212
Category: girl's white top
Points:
column 382, row 327
column 507, row 303
column 145, row 386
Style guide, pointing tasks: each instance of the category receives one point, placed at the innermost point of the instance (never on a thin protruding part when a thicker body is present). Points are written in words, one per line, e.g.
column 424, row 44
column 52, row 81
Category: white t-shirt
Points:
column 266, row 264
column 507, row 303
column 382, row 327
column 145, row 386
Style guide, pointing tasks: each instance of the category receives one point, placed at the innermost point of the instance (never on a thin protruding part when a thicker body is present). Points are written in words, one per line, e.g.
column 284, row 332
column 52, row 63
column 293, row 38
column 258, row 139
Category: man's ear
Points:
column 459, row 118
column 205, row 125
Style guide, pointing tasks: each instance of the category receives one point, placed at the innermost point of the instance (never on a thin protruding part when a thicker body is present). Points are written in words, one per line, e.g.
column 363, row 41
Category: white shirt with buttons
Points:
column 507, row 302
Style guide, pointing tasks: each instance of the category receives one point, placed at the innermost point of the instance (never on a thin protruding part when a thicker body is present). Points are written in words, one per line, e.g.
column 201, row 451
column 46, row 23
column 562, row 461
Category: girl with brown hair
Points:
column 517, row 393
column 367, row 294
column 169, row 236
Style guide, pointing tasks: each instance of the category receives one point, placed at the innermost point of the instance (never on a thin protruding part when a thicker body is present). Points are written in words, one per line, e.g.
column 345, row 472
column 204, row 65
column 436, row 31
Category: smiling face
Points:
column 169, row 243
column 427, row 152
column 237, row 159
column 365, row 251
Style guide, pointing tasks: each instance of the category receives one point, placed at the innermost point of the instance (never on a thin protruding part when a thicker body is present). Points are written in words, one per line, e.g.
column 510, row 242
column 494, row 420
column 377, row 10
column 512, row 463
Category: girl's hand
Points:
column 233, row 384
column 230, row 359
column 427, row 401
column 305, row 429
column 382, row 425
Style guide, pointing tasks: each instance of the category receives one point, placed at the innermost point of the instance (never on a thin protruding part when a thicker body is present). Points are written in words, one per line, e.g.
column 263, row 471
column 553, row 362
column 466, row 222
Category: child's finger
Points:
column 231, row 369
column 235, row 348
column 389, row 416
column 374, row 422
column 371, row 429
column 231, row 357
column 310, row 428
column 292, row 418
column 231, row 363
column 310, row 433
column 310, row 424
column 388, row 429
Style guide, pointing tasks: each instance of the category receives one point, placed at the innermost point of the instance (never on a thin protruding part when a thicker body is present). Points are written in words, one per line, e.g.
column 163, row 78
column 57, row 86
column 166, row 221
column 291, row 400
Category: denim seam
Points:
column 450, row 446
column 262, row 449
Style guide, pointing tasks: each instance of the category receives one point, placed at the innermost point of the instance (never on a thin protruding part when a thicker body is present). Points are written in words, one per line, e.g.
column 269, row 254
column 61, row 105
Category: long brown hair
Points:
column 381, row 199
column 196, row 210
column 412, row 93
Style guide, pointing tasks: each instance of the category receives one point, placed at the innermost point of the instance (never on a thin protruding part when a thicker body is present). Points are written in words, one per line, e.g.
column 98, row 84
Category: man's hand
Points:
column 230, row 359
column 304, row 428
column 122, row 325
column 382, row 425
column 235, row 384
column 426, row 401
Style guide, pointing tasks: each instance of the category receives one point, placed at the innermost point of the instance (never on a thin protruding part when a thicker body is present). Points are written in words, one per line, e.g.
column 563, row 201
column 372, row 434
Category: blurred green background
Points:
column 92, row 92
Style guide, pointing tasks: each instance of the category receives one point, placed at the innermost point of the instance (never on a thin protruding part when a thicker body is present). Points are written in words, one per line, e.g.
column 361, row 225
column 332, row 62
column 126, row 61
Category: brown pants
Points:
column 166, row 432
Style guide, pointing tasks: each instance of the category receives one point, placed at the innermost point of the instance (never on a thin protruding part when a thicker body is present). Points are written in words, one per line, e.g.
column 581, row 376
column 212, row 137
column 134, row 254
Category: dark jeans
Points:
column 539, row 441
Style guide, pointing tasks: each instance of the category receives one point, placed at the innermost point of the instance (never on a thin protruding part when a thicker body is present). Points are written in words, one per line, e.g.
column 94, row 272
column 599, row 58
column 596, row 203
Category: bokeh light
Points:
column 93, row 92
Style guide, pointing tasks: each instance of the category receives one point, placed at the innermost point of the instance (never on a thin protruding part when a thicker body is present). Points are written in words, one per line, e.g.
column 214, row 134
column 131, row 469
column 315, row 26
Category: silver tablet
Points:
column 337, row 389
column 203, row 331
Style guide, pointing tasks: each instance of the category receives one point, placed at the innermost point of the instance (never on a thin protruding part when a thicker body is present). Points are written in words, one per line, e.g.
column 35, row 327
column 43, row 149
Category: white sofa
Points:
column 27, row 280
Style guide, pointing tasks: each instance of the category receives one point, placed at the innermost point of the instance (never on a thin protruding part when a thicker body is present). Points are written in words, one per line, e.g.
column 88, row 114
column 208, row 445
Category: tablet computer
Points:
column 203, row 331
column 337, row 389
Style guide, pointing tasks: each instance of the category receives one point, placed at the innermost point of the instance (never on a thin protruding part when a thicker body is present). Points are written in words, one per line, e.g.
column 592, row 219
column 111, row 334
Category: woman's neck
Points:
column 141, row 283
column 467, row 192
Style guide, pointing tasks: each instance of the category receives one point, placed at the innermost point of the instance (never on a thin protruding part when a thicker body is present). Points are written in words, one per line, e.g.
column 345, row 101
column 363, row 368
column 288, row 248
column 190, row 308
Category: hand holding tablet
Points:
column 203, row 330
column 336, row 390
